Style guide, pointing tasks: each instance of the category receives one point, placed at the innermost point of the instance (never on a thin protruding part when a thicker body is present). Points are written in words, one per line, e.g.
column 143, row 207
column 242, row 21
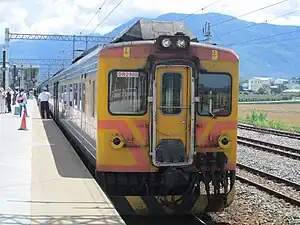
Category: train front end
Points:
column 167, row 132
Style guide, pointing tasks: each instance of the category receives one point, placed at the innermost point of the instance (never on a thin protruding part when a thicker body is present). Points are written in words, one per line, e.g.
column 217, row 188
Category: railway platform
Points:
column 42, row 180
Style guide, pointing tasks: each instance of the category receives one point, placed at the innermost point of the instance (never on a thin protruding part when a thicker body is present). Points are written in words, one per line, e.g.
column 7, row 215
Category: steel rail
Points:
column 269, row 131
column 268, row 147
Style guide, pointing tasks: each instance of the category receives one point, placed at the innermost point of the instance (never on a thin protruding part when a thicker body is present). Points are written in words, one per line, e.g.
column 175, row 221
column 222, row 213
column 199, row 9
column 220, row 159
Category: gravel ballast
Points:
column 253, row 206
column 274, row 164
column 271, row 138
column 276, row 186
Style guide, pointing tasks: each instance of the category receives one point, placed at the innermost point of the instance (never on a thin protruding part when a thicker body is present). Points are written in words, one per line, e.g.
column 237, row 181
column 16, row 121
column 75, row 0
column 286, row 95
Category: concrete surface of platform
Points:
column 42, row 179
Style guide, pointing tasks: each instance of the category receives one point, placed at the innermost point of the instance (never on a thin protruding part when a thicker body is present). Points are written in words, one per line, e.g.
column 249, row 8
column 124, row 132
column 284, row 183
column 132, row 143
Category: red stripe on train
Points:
column 141, row 158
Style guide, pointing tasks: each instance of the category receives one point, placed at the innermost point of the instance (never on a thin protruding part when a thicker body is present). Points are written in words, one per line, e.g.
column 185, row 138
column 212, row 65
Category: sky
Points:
column 72, row 16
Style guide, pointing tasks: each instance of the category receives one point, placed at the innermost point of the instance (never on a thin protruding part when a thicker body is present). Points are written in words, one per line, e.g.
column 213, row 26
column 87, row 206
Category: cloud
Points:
column 72, row 16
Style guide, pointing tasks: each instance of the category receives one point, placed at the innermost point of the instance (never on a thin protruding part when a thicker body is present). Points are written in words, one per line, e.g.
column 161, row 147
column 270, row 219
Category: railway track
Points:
column 290, row 198
column 269, row 147
column 146, row 220
column 269, row 131
column 269, row 176
column 171, row 220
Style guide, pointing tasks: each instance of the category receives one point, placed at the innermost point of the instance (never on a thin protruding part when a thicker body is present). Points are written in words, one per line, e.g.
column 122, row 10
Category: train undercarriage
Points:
column 172, row 190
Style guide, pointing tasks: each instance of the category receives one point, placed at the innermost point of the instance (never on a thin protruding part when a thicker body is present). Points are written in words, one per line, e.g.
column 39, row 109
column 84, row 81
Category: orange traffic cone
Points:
column 23, row 122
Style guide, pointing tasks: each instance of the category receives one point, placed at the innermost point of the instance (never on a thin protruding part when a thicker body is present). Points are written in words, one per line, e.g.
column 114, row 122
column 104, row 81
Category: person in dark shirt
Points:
column 8, row 99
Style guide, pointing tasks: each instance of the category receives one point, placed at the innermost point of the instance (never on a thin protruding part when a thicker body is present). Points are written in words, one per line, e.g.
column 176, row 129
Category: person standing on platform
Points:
column 22, row 100
column 8, row 99
column 2, row 100
column 44, row 98
column 15, row 94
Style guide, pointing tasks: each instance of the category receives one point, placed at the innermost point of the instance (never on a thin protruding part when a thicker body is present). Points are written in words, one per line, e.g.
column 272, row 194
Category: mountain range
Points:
column 265, row 50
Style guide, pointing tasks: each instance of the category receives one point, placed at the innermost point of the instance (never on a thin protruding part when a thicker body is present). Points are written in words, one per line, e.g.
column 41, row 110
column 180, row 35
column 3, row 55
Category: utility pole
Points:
column 4, row 68
column 207, row 33
column 5, row 55
column 15, row 75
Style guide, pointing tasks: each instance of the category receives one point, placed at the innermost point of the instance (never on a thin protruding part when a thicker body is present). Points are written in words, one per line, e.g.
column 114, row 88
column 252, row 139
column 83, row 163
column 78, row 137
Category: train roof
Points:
column 143, row 30
column 87, row 52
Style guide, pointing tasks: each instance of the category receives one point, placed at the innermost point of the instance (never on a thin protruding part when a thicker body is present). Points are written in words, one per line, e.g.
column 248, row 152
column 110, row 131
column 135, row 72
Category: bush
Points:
column 264, row 97
column 259, row 118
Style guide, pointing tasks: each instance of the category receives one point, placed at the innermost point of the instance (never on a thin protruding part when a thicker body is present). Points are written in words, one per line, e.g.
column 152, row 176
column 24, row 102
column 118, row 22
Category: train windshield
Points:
column 127, row 92
column 214, row 91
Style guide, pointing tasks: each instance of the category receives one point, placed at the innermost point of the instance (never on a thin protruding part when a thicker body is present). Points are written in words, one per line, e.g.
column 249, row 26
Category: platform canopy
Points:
column 151, row 29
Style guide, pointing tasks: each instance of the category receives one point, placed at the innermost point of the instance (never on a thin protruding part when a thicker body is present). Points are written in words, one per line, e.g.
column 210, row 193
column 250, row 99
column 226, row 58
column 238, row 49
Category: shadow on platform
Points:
column 67, row 161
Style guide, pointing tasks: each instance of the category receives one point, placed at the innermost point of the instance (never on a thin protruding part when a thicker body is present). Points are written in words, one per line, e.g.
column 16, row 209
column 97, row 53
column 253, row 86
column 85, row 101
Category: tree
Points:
column 261, row 90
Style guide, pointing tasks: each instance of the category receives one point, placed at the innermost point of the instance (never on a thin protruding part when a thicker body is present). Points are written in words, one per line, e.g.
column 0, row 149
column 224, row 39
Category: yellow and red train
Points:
column 155, row 113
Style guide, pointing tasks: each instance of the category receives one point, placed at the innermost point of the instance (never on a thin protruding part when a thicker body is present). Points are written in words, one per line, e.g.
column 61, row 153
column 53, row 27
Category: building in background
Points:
column 256, row 84
column 281, row 82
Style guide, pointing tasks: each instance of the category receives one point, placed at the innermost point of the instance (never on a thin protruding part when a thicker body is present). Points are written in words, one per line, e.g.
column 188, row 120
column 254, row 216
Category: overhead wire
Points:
column 95, row 14
column 203, row 8
column 245, row 14
column 218, row 36
column 248, row 13
column 265, row 37
column 272, row 41
column 107, row 16
column 256, row 24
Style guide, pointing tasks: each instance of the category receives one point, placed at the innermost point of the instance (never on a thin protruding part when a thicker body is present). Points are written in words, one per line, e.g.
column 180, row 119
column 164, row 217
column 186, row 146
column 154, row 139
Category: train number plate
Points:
column 127, row 74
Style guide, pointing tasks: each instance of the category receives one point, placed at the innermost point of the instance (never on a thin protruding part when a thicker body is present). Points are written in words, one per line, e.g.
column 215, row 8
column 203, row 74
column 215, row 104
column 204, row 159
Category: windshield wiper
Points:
column 212, row 115
column 210, row 105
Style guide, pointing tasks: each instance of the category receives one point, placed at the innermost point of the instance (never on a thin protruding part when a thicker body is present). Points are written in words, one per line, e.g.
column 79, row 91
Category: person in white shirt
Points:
column 44, row 98
column 22, row 100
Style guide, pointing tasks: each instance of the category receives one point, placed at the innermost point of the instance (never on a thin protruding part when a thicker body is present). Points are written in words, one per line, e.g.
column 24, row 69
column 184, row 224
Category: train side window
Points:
column 214, row 90
column 70, row 94
column 93, row 98
column 75, row 100
column 61, row 94
column 127, row 92
column 65, row 95
column 83, row 98
column 80, row 96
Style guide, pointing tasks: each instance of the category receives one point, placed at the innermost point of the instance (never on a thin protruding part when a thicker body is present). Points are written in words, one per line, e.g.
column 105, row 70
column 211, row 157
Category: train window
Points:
column 64, row 95
column 127, row 92
column 83, row 97
column 170, row 102
column 70, row 94
column 214, row 90
column 75, row 100
column 80, row 96
column 61, row 94
column 93, row 98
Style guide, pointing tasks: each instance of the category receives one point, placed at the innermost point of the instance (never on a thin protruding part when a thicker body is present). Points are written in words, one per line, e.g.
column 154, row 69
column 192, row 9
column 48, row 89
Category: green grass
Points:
column 259, row 118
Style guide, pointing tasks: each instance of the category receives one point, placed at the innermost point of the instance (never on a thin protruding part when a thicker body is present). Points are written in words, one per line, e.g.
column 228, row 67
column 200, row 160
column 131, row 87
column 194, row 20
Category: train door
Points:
column 173, row 116
column 56, row 101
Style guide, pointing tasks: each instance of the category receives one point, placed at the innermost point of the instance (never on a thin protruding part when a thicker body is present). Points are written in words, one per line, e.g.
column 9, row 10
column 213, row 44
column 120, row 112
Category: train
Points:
column 154, row 112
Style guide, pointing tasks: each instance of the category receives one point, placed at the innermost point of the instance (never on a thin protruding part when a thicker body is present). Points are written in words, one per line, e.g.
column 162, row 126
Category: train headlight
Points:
column 224, row 141
column 117, row 142
column 178, row 42
column 181, row 43
column 166, row 42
